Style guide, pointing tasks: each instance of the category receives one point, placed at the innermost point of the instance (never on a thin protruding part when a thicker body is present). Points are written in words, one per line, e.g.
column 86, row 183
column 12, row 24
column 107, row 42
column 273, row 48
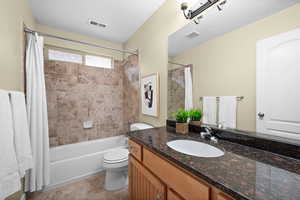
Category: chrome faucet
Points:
column 220, row 125
column 208, row 134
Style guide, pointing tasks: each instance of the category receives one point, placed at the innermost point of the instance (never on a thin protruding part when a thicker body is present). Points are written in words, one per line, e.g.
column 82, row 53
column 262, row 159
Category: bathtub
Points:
column 75, row 161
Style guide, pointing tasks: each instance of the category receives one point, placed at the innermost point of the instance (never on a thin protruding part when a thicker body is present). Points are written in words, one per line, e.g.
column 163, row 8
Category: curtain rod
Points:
column 174, row 63
column 133, row 52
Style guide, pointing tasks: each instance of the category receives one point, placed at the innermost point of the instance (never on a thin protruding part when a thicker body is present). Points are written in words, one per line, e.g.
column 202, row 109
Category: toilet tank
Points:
column 139, row 126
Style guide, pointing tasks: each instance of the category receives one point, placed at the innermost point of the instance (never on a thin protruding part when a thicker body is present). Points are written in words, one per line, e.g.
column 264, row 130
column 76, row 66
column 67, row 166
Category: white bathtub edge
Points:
column 70, row 163
column 72, row 180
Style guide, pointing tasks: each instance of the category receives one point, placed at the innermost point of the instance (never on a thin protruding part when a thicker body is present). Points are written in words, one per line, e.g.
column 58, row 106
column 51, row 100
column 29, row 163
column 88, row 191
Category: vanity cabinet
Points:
column 143, row 185
column 135, row 149
column 173, row 196
column 221, row 197
column 155, row 178
column 217, row 195
column 179, row 181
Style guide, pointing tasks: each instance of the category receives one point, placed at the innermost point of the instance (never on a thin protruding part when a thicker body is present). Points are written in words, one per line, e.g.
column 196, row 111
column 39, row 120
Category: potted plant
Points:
column 182, row 125
column 195, row 116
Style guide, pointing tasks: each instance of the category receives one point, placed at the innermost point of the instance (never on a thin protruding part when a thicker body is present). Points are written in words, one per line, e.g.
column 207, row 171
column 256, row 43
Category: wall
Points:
column 13, row 14
column 232, row 71
column 109, row 109
column 152, row 41
column 79, row 47
column 131, row 93
column 76, row 93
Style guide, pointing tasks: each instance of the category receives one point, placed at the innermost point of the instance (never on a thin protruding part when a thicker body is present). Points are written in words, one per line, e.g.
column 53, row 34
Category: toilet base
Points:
column 116, row 178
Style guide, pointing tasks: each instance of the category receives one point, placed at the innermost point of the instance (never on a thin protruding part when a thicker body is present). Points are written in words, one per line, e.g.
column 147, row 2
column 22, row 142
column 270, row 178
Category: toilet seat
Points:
column 116, row 156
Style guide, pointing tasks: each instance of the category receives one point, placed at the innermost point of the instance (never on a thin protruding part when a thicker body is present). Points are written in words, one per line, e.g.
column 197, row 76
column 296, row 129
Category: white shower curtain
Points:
column 188, row 88
column 38, row 176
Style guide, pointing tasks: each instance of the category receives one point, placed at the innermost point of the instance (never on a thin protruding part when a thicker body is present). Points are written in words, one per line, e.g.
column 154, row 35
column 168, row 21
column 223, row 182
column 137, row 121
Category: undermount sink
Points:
column 195, row 148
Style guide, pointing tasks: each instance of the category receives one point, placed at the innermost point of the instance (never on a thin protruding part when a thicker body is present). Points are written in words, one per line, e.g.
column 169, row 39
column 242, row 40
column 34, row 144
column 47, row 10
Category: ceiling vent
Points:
column 95, row 23
column 192, row 35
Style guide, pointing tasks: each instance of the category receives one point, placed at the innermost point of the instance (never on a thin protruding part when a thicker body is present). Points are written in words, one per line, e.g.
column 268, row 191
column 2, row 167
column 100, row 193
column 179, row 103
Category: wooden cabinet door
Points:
column 142, row 184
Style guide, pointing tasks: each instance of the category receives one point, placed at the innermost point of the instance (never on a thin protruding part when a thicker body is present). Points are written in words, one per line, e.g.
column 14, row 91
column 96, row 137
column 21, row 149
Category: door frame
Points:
column 259, row 88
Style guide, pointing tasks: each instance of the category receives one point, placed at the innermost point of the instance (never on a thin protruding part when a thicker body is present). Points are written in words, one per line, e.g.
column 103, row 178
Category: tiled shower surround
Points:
column 77, row 93
column 176, row 90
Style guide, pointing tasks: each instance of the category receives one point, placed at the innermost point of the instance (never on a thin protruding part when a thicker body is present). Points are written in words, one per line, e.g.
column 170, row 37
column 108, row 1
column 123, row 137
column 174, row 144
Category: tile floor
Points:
column 90, row 188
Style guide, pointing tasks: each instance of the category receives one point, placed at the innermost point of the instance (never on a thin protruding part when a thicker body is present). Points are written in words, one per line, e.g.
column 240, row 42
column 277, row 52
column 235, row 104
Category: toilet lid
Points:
column 116, row 155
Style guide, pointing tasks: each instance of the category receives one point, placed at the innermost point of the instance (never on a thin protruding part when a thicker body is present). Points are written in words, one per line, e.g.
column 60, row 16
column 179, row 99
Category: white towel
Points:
column 210, row 110
column 21, row 132
column 227, row 111
column 9, row 172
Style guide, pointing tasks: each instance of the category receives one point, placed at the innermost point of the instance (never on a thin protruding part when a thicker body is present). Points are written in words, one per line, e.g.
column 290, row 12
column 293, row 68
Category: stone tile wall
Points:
column 76, row 93
column 176, row 90
column 131, row 92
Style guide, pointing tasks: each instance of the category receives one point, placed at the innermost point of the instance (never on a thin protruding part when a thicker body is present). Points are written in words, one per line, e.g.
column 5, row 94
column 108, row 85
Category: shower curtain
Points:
column 188, row 88
column 38, row 176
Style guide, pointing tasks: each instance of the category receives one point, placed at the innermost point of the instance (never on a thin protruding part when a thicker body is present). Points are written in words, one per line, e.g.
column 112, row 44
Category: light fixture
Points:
column 197, row 20
column 221, row 5
column 189, row 2
column 190, row 14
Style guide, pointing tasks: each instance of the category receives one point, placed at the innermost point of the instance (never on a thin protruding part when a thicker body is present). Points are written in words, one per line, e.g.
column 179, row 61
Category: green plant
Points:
column 195, row 114
column 182, row 116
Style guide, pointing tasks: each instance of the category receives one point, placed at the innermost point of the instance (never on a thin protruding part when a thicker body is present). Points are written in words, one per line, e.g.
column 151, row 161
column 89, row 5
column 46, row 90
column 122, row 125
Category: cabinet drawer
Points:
column 176, row 179
column 135, row 149
column 221, row 196
column 173, row 196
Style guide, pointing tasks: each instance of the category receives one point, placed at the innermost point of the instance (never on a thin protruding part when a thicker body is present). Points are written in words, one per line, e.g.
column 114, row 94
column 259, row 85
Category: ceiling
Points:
column 122, row 18
column 236, row 13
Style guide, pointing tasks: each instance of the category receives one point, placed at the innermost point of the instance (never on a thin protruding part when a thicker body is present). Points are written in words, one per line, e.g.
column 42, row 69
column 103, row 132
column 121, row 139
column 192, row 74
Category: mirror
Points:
column 247, row 50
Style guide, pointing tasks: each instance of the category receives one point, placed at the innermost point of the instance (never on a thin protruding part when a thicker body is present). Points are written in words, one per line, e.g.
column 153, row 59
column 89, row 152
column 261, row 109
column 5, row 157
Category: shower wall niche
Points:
column 77, row 93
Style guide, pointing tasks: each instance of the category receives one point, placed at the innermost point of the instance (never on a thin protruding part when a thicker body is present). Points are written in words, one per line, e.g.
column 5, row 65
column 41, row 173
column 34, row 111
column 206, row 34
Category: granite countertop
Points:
column 243, row 172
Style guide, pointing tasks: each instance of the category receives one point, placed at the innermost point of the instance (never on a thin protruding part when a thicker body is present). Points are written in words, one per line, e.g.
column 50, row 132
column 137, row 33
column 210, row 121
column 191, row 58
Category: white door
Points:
column 278, row 85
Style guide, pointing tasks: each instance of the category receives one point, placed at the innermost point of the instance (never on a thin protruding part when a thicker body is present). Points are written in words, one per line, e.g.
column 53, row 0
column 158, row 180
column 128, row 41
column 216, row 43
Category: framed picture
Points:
column 150, row 95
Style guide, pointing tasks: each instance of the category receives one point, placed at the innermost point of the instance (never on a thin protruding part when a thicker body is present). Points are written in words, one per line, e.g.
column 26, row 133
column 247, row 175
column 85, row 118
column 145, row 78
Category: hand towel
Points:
column 210, row 110
column 21, row 132
column 227, row 111
column 9, row 173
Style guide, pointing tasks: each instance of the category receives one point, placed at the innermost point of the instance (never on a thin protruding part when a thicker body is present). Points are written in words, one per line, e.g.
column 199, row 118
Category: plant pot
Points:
column 182, row 128
column 196, row 123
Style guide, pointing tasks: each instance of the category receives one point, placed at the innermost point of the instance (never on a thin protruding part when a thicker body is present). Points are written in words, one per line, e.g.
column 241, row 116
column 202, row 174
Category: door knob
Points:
column 261, row 115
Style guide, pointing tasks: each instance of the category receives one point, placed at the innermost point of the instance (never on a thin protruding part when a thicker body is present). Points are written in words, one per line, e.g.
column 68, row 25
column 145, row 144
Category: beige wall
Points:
column 80, row 47
column 13, row 14
column 226, row 65
column 152, row 41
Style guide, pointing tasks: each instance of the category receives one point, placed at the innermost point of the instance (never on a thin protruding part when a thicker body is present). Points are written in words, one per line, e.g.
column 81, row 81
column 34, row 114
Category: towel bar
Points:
column 240, row 98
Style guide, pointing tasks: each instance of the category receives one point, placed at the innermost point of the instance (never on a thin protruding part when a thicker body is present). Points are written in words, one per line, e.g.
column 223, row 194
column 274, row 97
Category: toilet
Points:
column 115, row 163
